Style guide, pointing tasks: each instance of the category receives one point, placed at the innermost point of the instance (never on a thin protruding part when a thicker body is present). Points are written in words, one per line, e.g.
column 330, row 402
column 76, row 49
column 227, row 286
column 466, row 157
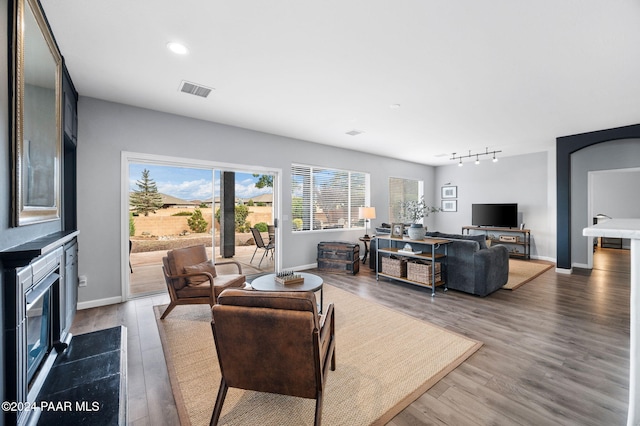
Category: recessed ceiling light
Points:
column 394, row 106
column 178, row 48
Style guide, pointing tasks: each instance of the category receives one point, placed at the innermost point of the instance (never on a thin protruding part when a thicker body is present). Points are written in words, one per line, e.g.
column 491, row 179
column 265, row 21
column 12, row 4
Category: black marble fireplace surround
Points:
column 47, row 265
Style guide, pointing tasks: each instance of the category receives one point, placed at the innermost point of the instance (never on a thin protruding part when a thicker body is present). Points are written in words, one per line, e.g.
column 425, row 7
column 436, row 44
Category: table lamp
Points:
column 366, row 213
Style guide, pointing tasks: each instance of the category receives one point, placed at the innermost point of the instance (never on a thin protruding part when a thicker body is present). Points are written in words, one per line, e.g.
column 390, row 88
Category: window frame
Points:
column 397, row 217
column 307, row 171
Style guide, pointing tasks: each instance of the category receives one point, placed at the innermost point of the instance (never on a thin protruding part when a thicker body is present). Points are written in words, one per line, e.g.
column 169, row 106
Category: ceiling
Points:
column 468, row 75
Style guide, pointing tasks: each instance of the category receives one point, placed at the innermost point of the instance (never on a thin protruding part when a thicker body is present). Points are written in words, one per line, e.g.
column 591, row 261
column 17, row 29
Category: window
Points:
column 400, row 191
column 324, row 198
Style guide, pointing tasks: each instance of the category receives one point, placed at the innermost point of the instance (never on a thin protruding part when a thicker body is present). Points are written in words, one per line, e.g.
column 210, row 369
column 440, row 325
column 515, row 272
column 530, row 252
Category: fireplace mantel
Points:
column 23, row 254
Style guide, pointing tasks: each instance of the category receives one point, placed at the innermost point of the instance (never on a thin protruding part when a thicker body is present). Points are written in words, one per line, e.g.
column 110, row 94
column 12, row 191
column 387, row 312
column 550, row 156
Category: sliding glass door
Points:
column 174, row 204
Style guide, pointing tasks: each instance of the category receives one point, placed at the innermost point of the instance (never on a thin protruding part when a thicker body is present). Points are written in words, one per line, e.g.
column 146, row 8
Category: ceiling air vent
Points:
column 354, row 132
column 195, row 89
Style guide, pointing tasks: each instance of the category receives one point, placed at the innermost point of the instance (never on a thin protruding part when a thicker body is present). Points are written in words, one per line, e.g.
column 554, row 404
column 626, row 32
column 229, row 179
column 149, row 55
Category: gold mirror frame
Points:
column 36, row 118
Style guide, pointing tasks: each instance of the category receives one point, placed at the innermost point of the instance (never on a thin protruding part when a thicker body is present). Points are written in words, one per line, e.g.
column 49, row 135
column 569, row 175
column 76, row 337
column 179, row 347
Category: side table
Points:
column 311, row 283
column 366, row 239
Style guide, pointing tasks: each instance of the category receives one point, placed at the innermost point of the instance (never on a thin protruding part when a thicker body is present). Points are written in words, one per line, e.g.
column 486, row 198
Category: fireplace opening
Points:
column 39, row 324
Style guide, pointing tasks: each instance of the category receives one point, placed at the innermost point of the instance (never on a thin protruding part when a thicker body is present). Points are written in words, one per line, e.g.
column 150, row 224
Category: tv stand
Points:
column 517, row 240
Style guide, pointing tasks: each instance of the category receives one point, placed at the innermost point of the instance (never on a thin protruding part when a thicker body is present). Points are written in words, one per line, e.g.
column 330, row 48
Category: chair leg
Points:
column 222, row 393
column 169, row 309
column 262, row 258
column 254, row 253
column 333, row 360
column 318, row 408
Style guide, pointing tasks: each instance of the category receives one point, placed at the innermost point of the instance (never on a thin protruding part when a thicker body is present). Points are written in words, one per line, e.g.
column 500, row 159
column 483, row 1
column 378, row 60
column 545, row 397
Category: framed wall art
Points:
column 449, row 205
column 397, row 230
column 36, row 118
column 449, row 192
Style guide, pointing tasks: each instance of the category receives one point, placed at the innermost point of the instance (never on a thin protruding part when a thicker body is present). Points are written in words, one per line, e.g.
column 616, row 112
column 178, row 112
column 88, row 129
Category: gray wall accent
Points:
column 9, row 236
column 618, row 154
column 106, row 129
column 5, row 182
column 523, row 179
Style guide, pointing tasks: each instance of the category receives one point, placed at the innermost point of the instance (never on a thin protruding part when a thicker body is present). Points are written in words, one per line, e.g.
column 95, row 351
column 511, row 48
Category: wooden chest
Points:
column 339, row 257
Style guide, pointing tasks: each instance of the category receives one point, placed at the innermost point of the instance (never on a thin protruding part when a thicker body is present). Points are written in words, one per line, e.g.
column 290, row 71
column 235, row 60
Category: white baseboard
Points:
column 303, row 267
column 545, row 258
column 564, row 271
column 100, row 302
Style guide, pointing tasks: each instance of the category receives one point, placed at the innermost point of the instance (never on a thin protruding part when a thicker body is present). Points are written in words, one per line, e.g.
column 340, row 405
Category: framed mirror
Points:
column 36, row 118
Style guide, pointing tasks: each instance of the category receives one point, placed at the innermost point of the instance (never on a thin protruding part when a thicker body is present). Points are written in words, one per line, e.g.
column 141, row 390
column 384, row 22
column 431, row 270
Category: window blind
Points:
column 323, row 198
column 400, row 191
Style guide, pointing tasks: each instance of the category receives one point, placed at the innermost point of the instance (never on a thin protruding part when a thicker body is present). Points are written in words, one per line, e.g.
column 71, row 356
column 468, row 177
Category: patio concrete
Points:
column 147, row 277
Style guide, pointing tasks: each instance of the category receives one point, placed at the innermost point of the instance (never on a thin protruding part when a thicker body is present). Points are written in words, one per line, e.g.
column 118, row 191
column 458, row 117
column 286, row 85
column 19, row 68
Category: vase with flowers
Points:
column 415, row 211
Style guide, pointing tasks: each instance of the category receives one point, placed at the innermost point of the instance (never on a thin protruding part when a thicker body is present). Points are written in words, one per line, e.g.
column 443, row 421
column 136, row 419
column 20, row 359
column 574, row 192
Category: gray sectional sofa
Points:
column 472, row 267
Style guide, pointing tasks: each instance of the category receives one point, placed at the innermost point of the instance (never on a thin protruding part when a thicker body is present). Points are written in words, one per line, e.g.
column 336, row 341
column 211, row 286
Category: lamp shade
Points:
column 366, row 212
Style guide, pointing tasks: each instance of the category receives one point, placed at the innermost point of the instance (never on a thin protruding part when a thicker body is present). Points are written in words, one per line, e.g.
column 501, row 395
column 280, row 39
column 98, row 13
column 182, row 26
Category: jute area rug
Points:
column 523, row 271
column 384, row 361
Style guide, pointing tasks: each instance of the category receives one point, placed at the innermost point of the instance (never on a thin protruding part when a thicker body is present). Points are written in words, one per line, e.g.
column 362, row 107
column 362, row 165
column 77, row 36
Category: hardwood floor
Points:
column 556, row 350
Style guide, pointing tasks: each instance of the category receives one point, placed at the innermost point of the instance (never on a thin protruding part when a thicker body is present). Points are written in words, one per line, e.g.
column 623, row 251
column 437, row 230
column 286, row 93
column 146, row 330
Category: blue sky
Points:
column 192, row 184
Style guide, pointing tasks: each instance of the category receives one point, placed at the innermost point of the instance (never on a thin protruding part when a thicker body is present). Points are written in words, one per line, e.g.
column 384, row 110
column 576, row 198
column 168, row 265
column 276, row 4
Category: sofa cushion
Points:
column 206, row 266
column 480, row 239
column 219, row 284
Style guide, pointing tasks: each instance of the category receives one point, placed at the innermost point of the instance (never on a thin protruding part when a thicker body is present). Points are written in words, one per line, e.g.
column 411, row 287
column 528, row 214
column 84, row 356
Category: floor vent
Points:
column 195, row 89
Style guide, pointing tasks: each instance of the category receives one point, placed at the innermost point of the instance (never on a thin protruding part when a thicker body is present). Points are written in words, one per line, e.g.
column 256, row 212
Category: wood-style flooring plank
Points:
column 556, row 350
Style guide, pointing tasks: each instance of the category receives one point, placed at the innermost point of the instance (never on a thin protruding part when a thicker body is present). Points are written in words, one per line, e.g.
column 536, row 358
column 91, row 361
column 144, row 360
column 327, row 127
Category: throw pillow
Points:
column 207, row 266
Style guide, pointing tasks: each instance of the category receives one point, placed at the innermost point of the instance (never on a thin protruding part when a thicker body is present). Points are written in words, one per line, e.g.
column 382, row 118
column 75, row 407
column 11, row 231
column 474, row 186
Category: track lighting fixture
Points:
column 477, row 155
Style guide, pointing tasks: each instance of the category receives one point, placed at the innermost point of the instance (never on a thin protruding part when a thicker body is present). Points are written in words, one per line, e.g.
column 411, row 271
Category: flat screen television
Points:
column 497, row 215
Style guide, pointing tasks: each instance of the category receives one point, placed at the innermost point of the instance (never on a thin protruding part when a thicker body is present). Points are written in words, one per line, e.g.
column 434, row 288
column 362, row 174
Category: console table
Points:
column 387, row 246
column 521, row 238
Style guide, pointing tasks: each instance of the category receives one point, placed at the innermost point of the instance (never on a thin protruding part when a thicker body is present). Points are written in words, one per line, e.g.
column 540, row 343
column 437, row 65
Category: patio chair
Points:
column 272, row 233
column 192, row 279
column 268, row 248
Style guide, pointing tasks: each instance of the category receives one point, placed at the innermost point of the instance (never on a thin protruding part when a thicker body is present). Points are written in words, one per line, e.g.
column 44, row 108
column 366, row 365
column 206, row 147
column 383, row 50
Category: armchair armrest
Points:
column 327, row 341
column 231, row 262
column 194, row 274
column 326, row 318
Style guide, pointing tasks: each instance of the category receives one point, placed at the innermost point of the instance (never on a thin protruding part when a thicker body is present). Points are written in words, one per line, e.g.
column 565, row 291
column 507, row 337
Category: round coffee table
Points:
column 311, row 283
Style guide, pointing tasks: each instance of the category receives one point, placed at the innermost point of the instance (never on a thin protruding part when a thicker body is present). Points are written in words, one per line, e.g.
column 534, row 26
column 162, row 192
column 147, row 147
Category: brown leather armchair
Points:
column 273, row 342
column 192, row 279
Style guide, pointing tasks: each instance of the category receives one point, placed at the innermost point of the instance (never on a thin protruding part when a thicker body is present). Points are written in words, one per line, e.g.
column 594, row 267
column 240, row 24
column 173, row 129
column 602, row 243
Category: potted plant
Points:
column 415, row 211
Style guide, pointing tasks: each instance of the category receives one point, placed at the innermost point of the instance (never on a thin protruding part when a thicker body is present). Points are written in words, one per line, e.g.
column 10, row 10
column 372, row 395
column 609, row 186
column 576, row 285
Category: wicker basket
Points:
column 394, row 266
column 421, row 272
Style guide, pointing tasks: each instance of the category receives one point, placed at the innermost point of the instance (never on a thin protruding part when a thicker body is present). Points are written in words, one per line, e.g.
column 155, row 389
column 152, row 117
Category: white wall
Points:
column 615, row 193
column 524, row 179
column 106, row 129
